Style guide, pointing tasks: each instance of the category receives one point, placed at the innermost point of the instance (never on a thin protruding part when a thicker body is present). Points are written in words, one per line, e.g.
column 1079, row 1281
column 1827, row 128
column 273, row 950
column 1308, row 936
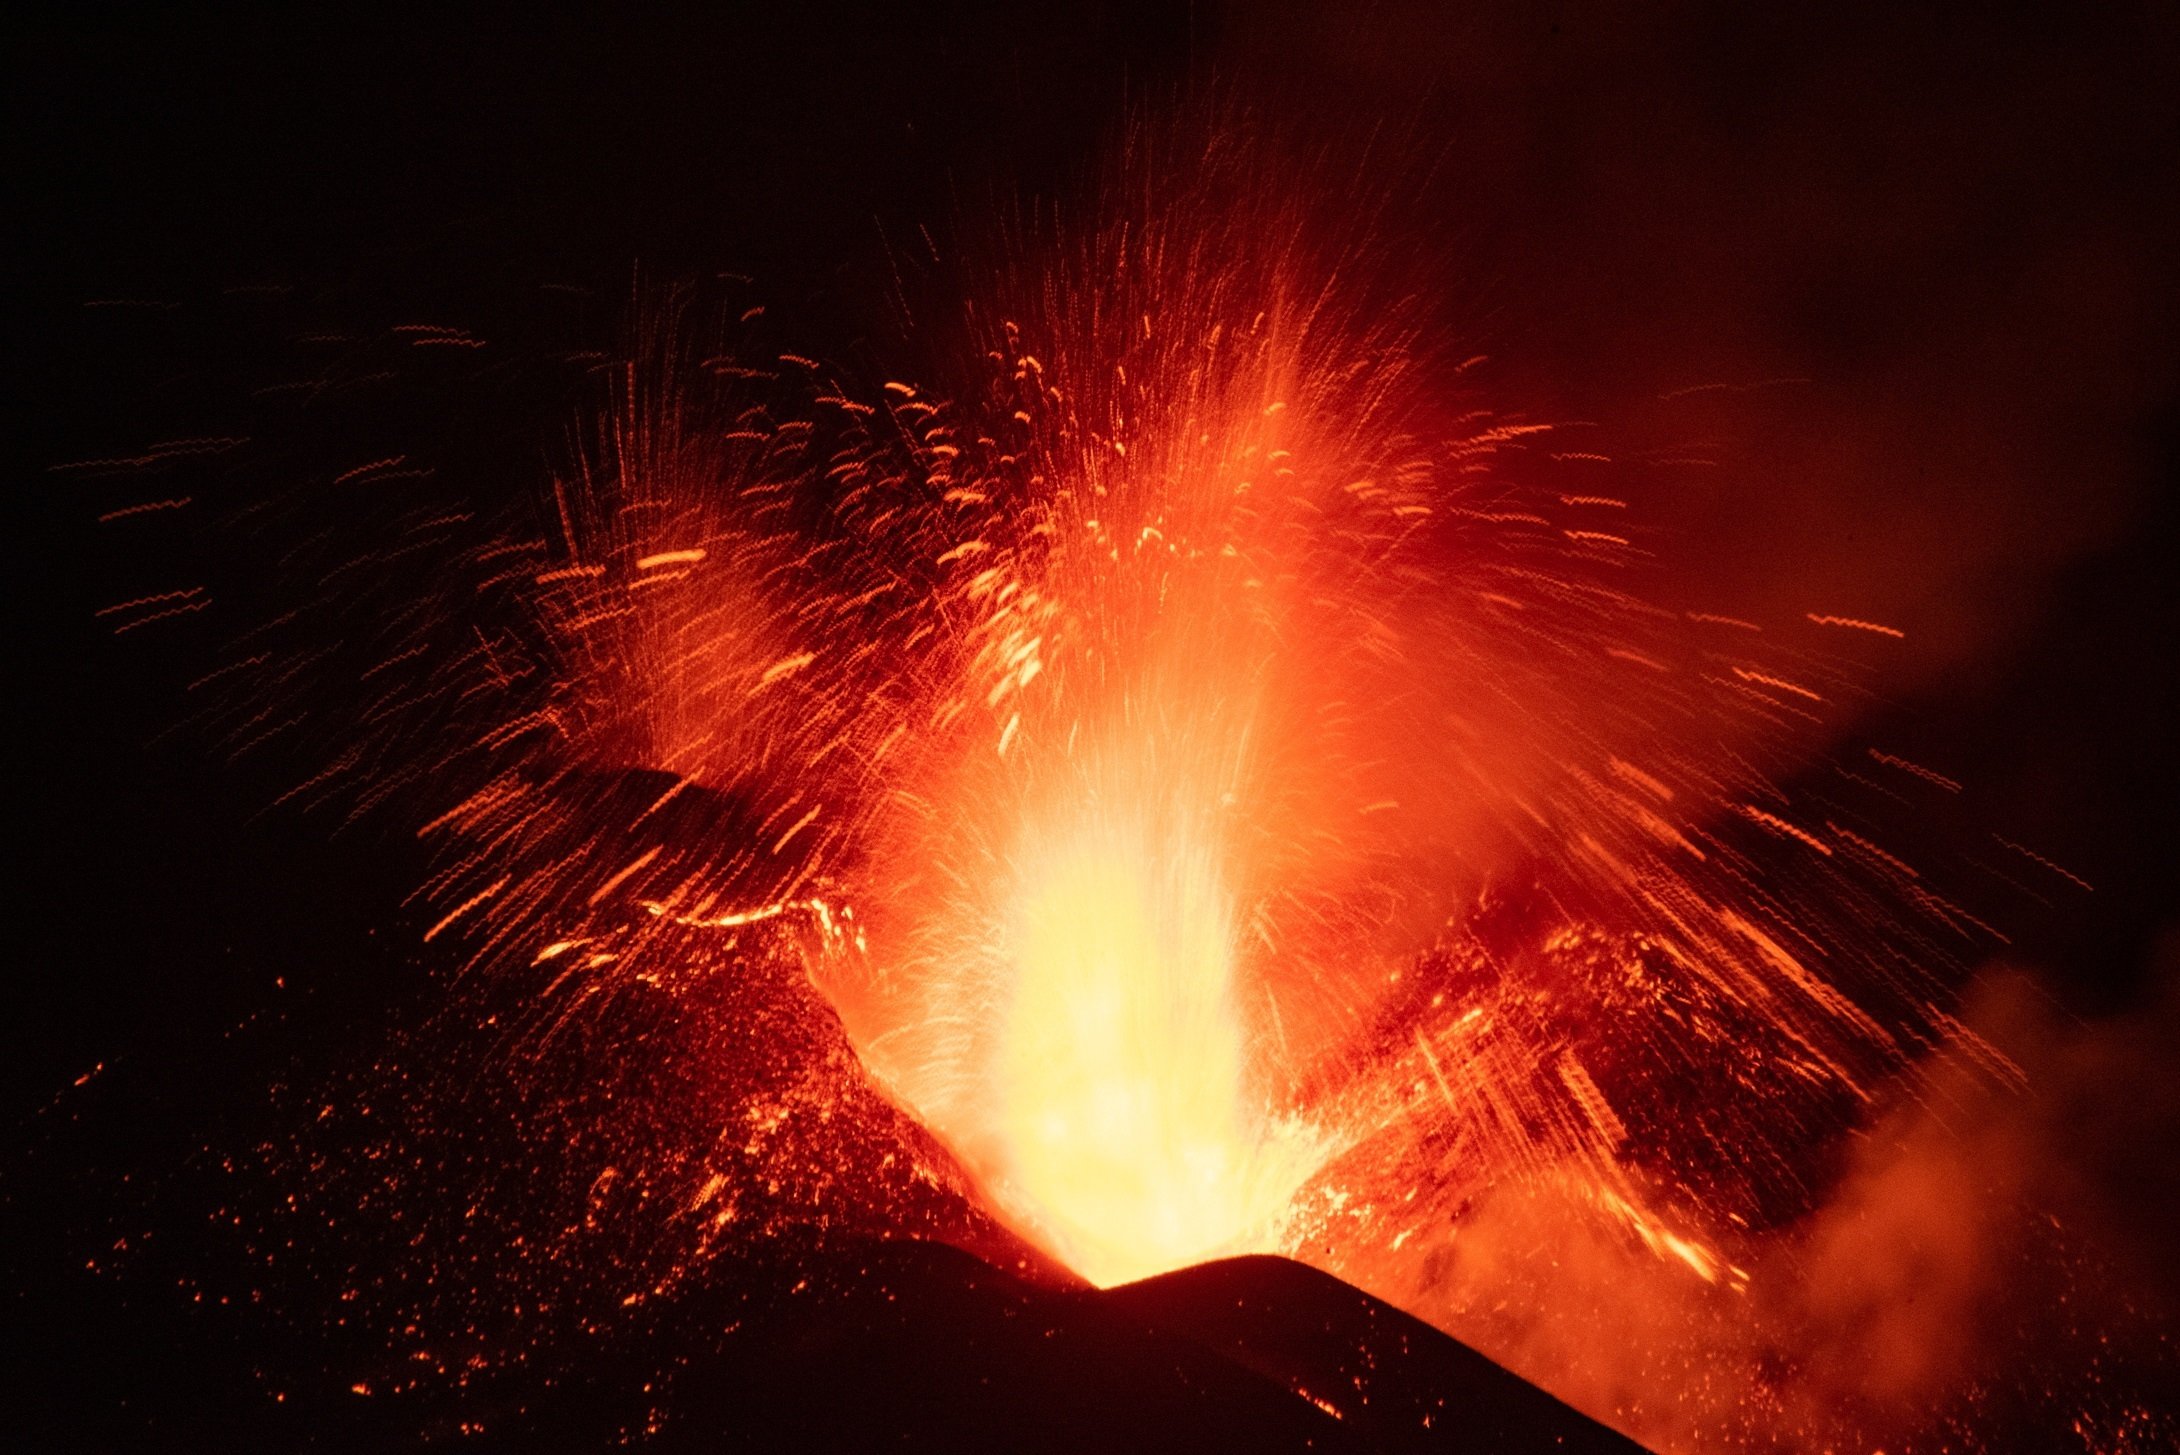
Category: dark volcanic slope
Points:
column 886, row 1346
column 1393, row 1379
column 922, row 1347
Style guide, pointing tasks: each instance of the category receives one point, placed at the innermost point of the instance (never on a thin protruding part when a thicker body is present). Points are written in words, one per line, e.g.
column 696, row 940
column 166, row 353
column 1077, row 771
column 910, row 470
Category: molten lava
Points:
column 1131, row 1119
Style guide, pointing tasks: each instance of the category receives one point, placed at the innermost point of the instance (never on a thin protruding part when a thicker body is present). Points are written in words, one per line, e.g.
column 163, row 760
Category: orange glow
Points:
column 1123, row 874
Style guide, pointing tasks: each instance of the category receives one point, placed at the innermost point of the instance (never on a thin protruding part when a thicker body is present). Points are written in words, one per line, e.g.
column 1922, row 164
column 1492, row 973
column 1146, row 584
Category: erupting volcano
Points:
column 1148, row 757
column 1144, row 720
column 1220, row 771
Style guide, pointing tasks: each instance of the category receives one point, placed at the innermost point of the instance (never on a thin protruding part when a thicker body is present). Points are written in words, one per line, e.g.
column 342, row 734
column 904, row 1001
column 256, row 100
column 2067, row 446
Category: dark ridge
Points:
column 1393, row 1379
column 922, row 1346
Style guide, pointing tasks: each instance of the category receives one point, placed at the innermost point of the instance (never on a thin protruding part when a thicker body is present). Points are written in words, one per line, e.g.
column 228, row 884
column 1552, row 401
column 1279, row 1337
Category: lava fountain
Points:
column 1123, row 1071
column 1138, row 865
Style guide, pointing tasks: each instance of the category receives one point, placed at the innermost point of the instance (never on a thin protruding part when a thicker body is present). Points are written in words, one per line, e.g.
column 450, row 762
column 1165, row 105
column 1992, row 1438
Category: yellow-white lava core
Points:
column 1130, row 1126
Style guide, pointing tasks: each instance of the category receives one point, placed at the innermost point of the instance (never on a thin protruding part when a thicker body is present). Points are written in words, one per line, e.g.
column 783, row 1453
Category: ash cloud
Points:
column 1989, row 1265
